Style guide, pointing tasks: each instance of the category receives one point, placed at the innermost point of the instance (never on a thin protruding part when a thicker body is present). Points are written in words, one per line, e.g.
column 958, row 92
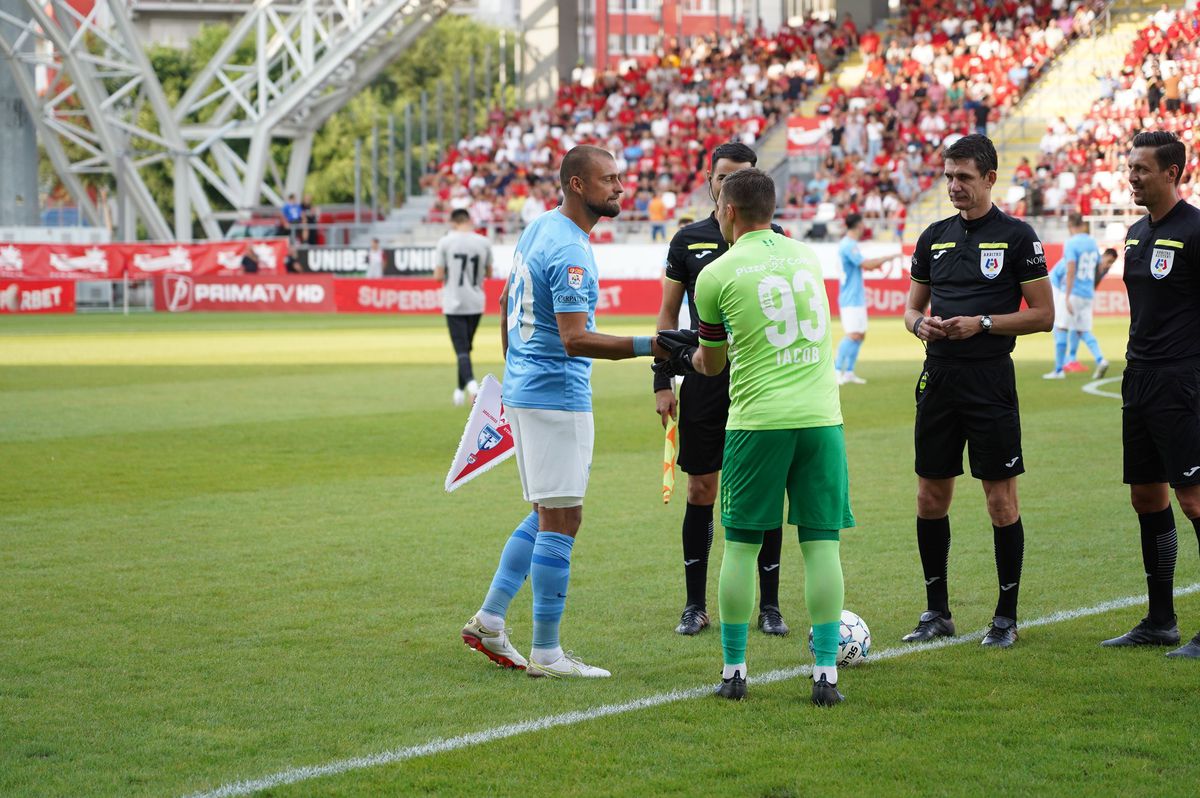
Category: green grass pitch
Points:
column 225, row 552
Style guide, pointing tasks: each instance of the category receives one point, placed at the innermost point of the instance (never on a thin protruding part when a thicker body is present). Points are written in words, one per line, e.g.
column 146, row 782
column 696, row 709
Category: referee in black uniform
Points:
column 703, row 410
column 972, row 270
column 1160, row 391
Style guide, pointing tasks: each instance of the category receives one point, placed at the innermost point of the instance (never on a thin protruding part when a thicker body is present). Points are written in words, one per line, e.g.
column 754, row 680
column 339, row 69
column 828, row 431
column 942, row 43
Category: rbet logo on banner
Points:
column 37, row 296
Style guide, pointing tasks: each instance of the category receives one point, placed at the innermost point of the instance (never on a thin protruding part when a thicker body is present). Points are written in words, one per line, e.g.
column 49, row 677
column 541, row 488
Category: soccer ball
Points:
column 854, row 644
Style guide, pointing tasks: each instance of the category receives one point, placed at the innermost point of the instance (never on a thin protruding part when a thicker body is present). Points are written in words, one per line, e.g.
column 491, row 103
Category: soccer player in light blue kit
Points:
column 1083, row 258
column 1075, row 290
column 549, row 339
column 1058, row 281
column 852, row 299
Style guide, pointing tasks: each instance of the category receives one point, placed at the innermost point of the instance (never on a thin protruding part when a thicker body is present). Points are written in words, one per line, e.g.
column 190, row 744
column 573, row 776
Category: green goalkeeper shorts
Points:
column 808, row 464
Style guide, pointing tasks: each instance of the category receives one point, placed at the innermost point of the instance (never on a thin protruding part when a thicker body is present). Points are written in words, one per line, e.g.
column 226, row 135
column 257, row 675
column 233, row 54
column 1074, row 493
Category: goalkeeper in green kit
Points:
column 763, row 302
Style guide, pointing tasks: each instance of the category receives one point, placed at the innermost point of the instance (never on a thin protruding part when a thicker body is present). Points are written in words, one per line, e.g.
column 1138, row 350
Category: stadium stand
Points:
column 940, row 69
column 944, row 69
column 1081, row 163
column 660, row 116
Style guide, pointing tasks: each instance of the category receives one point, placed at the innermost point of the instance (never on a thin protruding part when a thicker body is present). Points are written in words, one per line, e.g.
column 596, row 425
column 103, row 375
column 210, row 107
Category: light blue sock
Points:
column 513, row 568
column 852, row 353
column 1092, row 344
column 1060, row 348
column 1073, row 346
column 839, row 362
column 549, row 574
column 826, row 637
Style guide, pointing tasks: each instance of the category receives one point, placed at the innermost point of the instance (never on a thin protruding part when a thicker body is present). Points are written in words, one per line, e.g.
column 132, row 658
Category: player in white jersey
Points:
column 464, row 261
column 549, row 340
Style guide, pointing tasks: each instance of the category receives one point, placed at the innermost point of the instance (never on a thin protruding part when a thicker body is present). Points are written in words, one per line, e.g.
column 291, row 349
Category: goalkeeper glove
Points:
column 680, row 346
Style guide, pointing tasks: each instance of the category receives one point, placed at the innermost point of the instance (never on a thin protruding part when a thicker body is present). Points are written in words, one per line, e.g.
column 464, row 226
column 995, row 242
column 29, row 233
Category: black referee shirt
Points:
column 692, row 248
column 1162, row 276
column 976, row 268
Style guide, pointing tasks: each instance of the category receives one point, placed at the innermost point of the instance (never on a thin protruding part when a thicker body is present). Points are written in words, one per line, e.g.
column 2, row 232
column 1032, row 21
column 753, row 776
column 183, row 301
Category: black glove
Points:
column 680, row 346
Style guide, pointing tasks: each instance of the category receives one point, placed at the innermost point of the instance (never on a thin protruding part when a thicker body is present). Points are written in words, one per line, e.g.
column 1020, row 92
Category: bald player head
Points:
column 591, row 185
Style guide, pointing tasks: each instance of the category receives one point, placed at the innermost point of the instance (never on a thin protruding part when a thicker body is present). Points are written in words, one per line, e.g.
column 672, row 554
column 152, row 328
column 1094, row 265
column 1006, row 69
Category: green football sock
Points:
column 735, row 597
column 824, row 593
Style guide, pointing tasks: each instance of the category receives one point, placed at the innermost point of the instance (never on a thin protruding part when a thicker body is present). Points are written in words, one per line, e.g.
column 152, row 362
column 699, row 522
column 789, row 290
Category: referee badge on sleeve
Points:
column 1161, row 262
column 991, row 261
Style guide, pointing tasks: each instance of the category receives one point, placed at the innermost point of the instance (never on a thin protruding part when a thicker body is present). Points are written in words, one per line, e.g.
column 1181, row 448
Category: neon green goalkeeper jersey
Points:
column 765, row 297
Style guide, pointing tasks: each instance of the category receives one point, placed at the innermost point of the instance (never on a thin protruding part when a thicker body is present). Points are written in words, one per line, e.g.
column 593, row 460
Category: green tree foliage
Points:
column 442, row 56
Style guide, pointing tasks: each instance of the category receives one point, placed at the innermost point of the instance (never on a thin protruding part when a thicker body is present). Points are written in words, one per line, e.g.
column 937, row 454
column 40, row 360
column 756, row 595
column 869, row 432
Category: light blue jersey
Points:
column 1082, row 249
column 851, row 294
column 554, row 271
column 1058, row 276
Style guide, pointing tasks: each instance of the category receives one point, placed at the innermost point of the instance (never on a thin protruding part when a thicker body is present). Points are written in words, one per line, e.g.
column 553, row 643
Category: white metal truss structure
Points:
column 286, row 66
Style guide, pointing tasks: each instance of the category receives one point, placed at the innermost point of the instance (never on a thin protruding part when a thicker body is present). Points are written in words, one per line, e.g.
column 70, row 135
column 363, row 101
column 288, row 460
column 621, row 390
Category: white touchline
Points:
column 1094, row 388
column 294, row 775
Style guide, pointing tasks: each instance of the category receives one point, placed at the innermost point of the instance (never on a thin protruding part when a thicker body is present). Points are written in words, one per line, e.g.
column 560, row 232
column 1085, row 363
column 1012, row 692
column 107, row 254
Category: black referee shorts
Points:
column 972, row 404
column 462, row 330
column 703, row 411
column 1160, row 425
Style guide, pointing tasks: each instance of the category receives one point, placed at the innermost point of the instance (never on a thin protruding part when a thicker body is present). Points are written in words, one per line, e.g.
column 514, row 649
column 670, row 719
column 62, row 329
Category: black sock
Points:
column 697, row 541
column 1010, row 553
column 1196, row 525
column 1160, row 546
column 768, row 568
column 933, row 541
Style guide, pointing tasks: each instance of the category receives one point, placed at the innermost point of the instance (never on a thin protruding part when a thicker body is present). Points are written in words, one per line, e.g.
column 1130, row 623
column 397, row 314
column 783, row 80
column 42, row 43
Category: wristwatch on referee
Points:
column 985, row 323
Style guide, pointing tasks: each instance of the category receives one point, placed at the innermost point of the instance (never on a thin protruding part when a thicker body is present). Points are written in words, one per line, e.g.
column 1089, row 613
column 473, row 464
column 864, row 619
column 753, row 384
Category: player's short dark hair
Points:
column 460, row 215
column 732, row 151
column 1168, row 149
column 576, row 161
column 975, row 147
column 752, row 192
column 853, row 220
column 1075, row 219
column 1110, row 251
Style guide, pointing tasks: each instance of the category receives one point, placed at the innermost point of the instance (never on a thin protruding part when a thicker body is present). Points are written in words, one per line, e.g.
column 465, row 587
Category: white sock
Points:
column 729, row 671
column 490, row 620
column 544, row 656
column 829, row 672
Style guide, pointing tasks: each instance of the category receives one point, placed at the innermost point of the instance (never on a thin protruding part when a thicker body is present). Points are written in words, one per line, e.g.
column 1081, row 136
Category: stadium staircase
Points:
column 405, row 223
column 1067, row 89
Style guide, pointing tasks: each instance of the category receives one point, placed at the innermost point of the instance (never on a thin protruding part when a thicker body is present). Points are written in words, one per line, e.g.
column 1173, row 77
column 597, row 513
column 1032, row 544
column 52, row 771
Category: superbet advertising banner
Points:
column 139, row 260
column 37, row 296
column 617, row 297
column 180, row 293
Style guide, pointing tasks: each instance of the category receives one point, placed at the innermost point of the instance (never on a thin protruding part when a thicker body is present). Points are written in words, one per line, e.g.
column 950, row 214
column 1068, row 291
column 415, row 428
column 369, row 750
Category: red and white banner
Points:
column 399, row 296
column 37, row 296
column 140, row 260
column 487, row 440
column 179, row 293
column 617, row 297
column 803, row 134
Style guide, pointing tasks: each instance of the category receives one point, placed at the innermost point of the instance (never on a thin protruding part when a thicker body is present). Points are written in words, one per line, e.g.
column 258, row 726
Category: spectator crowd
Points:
column 937, row 71
column 1081, row 164
column 943, row 69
